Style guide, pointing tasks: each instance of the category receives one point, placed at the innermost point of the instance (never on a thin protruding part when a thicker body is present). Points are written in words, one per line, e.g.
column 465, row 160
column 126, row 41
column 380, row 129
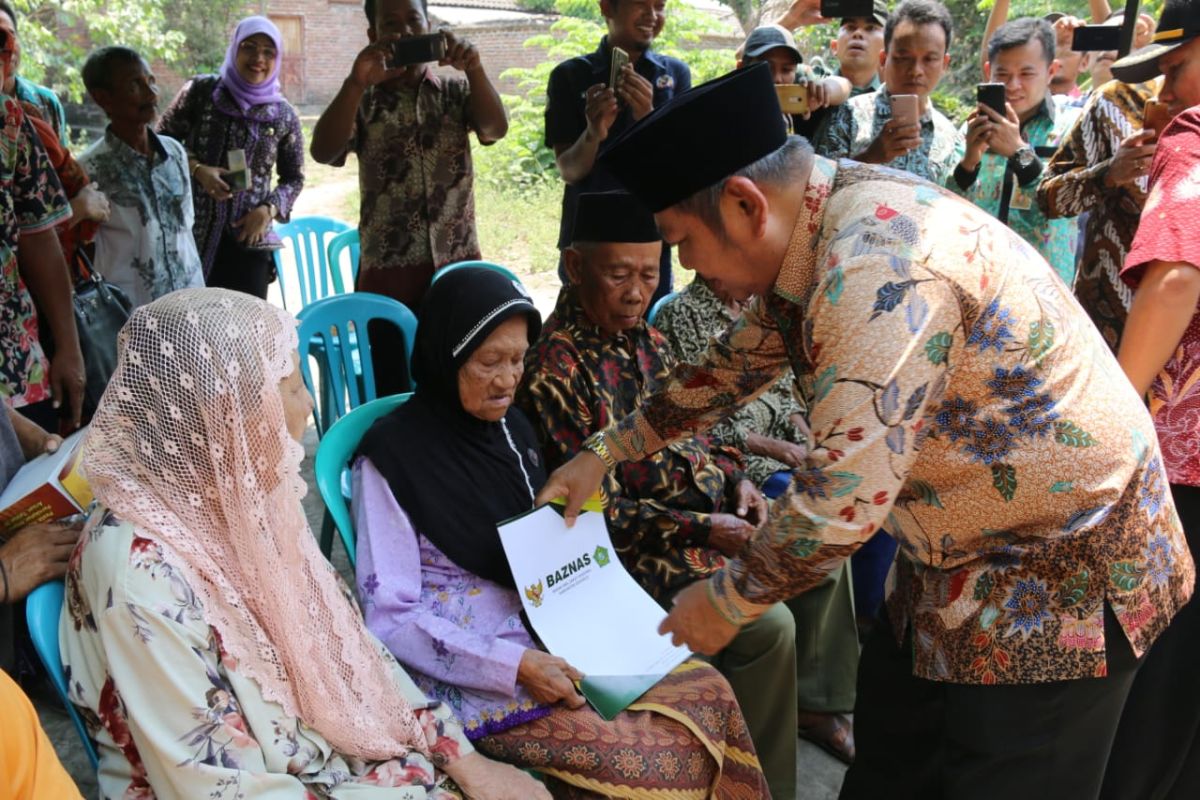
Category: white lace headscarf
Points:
column 190, row 445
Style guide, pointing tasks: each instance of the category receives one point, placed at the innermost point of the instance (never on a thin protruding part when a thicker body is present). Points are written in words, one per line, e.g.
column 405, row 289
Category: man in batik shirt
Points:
column 675, row 517
column 1159, row 735
column 994, row 430
column 916, row 54
column 1100, row 170
column 1003, row 160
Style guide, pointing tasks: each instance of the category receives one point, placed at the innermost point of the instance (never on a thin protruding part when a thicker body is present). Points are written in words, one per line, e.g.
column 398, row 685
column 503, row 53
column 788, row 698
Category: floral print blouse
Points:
column 956, row 390
column 34, row 202
column 171, row 715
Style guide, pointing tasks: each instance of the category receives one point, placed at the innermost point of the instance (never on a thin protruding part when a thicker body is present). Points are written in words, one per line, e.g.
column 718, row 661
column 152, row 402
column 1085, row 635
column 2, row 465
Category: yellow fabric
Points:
column 29, row 768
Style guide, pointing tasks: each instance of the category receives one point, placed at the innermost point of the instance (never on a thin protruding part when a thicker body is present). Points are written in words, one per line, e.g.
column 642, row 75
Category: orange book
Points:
column 47, row 488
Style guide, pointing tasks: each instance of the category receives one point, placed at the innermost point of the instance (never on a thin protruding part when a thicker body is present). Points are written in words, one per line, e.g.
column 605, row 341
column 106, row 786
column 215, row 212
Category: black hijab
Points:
column 454, row 474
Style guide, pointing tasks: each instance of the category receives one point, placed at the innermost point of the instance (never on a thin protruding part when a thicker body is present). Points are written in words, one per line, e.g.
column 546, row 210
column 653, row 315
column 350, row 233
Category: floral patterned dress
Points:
column 171, row 715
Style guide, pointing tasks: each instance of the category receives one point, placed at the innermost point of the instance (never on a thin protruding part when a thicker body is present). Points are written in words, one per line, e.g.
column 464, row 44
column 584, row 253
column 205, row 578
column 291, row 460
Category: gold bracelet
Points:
column 595, row 443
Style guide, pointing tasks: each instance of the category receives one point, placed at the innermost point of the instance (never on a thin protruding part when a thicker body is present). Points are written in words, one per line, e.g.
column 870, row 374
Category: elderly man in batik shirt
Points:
column 676, row 517
column 1041, row 553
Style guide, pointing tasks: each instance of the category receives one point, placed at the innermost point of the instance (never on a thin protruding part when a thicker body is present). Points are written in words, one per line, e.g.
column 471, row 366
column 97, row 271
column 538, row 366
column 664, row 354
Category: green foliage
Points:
column 521, row 160
column 206, row 26
column 540, row 6
column 53, row 51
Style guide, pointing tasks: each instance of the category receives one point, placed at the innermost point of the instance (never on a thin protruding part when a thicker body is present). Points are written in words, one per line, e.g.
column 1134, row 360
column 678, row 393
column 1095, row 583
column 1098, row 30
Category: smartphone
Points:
column 619, row 59
column 992, row 96
column 1096, row 37
column 841, row 9
column 417, row 50
column 1156, row 116
column 238, row 175
column 904, row 109
column 793, row 99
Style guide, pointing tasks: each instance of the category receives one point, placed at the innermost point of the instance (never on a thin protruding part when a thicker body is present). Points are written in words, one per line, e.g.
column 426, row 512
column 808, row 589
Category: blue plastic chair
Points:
column 465, row 264
column 335, row 330
column 345, row 242
column 332, row 463
column 43, row 607
column 654, row 309
column 307, row 239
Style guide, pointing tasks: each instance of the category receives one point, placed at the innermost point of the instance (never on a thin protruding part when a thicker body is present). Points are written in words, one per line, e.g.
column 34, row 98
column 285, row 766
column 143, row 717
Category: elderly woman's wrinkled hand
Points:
column 549, row 678
column 751, row 505
column 35, row 554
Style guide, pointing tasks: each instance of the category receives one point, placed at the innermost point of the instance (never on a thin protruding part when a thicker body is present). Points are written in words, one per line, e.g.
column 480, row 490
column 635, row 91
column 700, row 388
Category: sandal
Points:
column 833, row 733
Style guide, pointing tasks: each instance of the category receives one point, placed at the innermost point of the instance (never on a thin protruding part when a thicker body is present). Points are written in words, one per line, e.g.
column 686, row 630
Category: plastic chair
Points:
column 465, row 264
column 346, row 241
column 655, row 308
column 43, row 608
column 306, row 238
column 332, row 463
column 335, row 330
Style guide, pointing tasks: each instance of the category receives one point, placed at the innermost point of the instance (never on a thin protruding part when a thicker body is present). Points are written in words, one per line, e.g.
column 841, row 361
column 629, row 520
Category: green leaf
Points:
column 1070, row 434
column 925, row 492
column 834, row 285
column 984, row 585
column 803, row 548
column 988, row 616
column 824, row 383
column 1004, row 478
column 1062, row 486
column 1126, row 575
column 1041, row 338
column 1072, row 591
column 844, row 482
column 937, row 349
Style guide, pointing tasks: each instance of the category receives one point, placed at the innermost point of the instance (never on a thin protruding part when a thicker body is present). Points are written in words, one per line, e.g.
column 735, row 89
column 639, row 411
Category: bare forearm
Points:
column 576, row 162
column 44, row 271
column 997, row 18
column 1162, row 308
column 336, row 124
column 485, row 108
column 1100, row 10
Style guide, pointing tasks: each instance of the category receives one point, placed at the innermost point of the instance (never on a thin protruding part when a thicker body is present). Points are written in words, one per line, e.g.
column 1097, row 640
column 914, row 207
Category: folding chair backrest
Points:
column 346, row 243
column 654, row 309
column 302, row 265
column 484, row 264
column 333, row 458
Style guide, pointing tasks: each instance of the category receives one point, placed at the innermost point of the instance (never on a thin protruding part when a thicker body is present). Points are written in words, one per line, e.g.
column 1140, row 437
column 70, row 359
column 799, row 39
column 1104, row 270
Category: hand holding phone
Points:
column 793, row 99
column 1156, row 117
column 900, row 135
column 991, row 95
column 409, row 50
column 904, row 109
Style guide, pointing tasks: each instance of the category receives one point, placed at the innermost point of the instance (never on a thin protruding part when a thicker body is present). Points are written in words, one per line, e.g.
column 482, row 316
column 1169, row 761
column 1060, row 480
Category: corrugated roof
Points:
column 491, row 5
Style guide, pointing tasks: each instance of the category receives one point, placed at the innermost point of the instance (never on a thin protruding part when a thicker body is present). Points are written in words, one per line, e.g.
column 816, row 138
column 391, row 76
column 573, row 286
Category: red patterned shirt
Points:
column 1170, row 231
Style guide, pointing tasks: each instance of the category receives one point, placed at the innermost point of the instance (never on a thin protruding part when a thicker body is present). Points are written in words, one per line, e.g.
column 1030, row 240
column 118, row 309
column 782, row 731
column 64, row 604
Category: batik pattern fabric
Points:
column 684, row 738
column 34, row 202
column 1056, row 239
column 1170, row 232
column 209, row 123
column 956, row 391
column 146, row 245
column 689, row 320
column 852, row 127
column 1073, row 184
column 416, row 182
column 578, row 380
column 172, row 716
column 46, row 102
column 70, row 174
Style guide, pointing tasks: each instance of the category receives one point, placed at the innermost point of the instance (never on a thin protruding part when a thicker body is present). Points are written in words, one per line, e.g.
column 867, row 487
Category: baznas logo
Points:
column 601, row 556
column 534, row 593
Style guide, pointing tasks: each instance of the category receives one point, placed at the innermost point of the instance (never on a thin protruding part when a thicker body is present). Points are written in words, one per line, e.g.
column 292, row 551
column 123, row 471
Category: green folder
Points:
column 612, row 694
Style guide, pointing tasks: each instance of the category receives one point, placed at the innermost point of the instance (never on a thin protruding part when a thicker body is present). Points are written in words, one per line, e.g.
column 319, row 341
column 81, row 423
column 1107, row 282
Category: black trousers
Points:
column 926, row 740
column 243, row 270
column 1156, row 754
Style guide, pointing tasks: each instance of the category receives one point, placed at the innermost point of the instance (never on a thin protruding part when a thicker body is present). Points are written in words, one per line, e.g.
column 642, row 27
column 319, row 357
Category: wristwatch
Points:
column 595, row 443
column 1024, row 157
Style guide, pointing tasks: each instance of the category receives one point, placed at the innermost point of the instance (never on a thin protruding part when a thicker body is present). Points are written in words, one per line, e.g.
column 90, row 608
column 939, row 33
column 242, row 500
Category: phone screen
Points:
column 992, row 96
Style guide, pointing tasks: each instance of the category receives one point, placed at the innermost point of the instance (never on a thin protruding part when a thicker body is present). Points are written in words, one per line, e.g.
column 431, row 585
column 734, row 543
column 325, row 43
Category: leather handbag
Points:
column 101, row 310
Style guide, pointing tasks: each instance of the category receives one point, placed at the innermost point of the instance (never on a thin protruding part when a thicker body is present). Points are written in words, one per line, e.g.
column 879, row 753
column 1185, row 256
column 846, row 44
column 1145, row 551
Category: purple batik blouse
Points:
column 460, row 635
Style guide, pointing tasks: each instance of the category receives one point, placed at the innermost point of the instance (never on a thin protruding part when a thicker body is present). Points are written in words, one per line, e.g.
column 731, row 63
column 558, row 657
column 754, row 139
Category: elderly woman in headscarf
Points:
column 434, row 479
column 242, row 108
column 213, row 650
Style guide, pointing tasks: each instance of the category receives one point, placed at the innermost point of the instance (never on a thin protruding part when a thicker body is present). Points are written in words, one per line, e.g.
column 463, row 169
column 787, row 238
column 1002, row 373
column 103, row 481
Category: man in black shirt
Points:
column 583, row 112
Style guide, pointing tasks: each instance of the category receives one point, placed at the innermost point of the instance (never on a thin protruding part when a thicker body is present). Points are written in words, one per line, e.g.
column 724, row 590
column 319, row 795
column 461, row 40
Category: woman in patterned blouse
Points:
column 242, row 108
